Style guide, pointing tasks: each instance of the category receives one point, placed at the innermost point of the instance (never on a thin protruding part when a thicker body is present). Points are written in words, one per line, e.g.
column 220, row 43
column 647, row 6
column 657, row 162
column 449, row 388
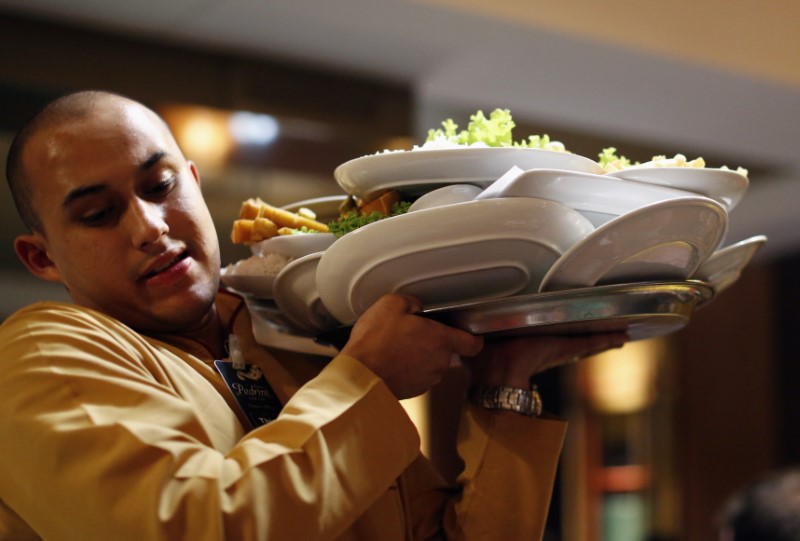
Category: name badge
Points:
column 254, row 395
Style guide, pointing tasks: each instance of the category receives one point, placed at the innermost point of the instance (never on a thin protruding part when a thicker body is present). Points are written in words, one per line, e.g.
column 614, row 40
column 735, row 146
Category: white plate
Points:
column 271, row 328
column 417, row 172
column 662, row 241
column 598, row 197
column 725, row 265
column 469, row 251
column 294, row 245
column 724, row 186
column 326, row 208
column 297, row 297
column 446, row 195
column 258, row 286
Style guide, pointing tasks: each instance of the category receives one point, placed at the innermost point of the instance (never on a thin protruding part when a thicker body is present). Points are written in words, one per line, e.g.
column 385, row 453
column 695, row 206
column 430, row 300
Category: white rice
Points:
column 259, row 265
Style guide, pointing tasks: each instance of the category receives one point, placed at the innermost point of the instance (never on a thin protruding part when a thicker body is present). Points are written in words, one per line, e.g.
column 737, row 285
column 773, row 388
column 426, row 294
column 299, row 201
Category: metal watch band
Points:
column 502, row 397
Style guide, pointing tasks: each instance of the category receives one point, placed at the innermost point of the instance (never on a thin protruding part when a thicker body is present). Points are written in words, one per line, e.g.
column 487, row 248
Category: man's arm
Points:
column 101, row 439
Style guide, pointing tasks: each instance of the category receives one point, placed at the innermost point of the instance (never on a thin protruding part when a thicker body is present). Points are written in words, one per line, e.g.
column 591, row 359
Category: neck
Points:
column 210, row 333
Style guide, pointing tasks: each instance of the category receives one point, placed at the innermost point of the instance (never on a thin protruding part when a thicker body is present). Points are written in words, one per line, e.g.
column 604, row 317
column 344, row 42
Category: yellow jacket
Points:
column 106, row 434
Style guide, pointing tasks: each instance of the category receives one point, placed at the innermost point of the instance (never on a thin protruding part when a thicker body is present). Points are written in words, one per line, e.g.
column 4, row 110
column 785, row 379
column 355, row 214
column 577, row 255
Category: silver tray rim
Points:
column 654, row 308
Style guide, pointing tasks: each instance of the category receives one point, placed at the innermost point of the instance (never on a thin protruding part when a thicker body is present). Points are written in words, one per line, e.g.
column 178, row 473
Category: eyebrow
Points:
column 83, row 191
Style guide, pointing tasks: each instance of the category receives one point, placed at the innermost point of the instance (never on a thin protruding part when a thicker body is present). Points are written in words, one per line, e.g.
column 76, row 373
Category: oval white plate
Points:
column 598, row 197
column 724, row 186
column 662, row 241
column 259, row 286
column 296, row 295
column 457, row 253
column 446, row 195
column 725, row 265
column 416, row 172
column 294, row 245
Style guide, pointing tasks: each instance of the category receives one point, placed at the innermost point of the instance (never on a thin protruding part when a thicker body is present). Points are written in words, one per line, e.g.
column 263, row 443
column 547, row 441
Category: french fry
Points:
column 251, row 209
column 263, row 228
column 242, row 231
column 284, row 218
column 259, row 220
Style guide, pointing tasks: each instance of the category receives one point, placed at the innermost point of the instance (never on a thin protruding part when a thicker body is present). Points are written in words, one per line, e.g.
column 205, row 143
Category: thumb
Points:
column 465, row 344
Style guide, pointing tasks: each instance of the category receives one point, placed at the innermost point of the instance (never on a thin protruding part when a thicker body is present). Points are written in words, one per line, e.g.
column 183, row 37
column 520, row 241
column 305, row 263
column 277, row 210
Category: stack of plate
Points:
column 514, row 228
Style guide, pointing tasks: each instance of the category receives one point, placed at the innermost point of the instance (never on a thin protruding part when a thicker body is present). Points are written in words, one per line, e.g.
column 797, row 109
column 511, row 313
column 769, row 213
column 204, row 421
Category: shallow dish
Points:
column 296, row 295
column 419, row 171
column 456, row 253
column 272, row 329
column 259, row 286
column 598, row 197
column 725, row 265
column 662, row 241
column 724, row 186
column 295, row 246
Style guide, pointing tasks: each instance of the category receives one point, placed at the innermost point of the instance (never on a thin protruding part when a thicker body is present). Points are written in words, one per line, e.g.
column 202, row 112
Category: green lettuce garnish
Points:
column 495, row 131
column 352, row 220
column 609, row 156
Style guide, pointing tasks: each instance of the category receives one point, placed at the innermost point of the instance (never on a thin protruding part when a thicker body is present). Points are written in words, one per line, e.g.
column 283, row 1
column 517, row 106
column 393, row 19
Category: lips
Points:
column 164, row 263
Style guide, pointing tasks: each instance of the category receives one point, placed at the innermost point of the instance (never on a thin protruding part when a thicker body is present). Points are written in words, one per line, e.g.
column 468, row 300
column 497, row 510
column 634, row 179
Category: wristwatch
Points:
column 502, row 397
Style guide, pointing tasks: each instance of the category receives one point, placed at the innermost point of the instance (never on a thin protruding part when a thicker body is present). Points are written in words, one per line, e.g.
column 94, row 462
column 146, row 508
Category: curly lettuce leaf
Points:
column 494, row 131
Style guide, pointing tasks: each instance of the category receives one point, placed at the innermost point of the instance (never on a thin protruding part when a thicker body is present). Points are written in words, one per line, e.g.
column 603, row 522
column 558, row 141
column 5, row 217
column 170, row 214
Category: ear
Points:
column 32, row 251
column 195, row 172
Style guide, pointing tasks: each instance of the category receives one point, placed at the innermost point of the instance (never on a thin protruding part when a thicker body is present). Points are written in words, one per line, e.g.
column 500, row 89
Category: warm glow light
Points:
column 622, row 380
column 202, row 134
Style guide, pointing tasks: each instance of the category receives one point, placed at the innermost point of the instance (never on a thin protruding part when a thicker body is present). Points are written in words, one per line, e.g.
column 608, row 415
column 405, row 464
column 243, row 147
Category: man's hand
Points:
column 410, row 353
column 513, row 361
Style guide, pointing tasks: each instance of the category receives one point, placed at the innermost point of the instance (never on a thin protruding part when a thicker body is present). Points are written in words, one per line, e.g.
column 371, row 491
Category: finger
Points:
column 599, row 342
column 464, row 343
column 407, row 303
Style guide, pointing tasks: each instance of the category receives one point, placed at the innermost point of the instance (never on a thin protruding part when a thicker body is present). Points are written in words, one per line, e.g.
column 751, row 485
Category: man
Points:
column 117, row 423
column 768, row 509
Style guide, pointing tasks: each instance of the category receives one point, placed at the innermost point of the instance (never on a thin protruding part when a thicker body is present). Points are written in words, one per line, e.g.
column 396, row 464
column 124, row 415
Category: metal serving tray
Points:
column 643, row 310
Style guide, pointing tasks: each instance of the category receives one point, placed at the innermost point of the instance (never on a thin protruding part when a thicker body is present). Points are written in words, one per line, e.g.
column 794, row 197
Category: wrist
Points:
column 522, row 400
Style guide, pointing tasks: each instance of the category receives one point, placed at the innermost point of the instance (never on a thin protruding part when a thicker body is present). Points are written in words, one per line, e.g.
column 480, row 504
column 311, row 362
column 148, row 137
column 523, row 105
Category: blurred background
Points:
column 269, row 97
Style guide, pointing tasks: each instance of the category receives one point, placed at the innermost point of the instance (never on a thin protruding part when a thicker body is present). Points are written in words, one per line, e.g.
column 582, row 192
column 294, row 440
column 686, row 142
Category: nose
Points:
column 147, row 223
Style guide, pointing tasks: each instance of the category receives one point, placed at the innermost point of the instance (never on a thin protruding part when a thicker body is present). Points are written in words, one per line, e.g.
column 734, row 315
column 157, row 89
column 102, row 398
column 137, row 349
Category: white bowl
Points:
column 258, row 286
column 471, row 251
column 724, row 186
column 599, row 198
column 724, row 267
column 667, row 240
column 296, row 295
column 446, row 195
column 295, row 246
column 326, row 208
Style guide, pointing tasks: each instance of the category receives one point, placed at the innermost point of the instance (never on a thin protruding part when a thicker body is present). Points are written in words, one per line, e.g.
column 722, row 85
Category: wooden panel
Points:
column 726, row 428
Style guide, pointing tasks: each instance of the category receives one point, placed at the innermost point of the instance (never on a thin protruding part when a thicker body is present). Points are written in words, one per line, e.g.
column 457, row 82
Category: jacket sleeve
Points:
column 504, row 490
column 94, row 446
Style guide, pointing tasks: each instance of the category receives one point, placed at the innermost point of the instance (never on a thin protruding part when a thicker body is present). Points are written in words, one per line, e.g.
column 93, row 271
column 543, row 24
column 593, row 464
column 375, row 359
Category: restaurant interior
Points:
column 661, row 431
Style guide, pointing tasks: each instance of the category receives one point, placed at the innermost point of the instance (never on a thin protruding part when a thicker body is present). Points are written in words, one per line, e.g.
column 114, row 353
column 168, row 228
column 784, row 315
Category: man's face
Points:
column 124, row 222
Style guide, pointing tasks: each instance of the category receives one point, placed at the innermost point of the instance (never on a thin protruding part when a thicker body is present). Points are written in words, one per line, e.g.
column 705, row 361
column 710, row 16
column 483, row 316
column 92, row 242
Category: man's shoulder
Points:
column 53, row 318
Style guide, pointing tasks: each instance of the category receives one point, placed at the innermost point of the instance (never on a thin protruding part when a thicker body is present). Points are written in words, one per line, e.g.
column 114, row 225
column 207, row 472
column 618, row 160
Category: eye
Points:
column 162, row 186
column 98, row 218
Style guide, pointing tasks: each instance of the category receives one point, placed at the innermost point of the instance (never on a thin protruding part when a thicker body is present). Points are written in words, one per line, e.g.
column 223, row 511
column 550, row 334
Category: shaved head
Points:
column 67, row 108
